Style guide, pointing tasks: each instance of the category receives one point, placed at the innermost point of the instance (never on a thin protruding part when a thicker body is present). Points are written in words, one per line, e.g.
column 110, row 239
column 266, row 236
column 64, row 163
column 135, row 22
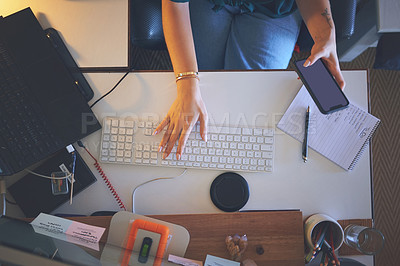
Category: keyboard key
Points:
column 269, row 140
column 114, row 122
column 107, row 127
column 129, row 124
column 146, row 147
column 266, row 147
column 268, row 132
column 257, row 132
column 247, row 131
column 235, row 131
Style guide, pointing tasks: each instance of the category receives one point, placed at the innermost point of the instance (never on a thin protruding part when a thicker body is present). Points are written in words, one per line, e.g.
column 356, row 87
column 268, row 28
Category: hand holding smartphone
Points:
column 322, row 86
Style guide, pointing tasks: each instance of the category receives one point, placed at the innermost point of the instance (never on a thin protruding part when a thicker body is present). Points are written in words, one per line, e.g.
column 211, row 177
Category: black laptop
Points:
column 41, row 108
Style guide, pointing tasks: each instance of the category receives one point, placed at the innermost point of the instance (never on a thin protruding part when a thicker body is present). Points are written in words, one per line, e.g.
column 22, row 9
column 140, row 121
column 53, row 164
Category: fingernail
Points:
column 164, row 156
column 205, row 137
column 306, row 63
column 160, row 148
column 155, row 132
column 178, row 156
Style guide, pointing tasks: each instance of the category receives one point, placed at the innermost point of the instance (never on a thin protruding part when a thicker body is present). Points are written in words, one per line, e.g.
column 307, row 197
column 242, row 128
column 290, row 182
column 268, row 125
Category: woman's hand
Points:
column 326, row 50
column 317, row 16
column 187, row 109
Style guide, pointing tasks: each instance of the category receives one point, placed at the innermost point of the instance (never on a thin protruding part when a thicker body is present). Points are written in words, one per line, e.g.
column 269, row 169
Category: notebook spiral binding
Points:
column 361, row 151
column 105, row 178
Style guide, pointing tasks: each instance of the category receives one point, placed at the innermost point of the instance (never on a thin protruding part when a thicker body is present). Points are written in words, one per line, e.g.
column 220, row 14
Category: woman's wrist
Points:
column 188, row 86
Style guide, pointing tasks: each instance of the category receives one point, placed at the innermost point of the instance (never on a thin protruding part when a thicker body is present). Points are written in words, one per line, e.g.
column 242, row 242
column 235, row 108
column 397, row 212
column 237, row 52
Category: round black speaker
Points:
column 229, row 192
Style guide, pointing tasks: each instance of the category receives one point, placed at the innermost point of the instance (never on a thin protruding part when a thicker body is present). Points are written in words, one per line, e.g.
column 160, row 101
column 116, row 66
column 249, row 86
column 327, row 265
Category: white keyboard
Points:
column 127, row 141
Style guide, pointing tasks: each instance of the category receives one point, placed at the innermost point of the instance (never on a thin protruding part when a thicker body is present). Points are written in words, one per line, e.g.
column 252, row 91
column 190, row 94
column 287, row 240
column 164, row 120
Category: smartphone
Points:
column 322, row 86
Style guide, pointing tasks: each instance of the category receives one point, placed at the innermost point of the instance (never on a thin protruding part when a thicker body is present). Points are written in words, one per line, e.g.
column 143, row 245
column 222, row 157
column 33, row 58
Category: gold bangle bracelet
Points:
column 187, row 77
column 182, row 74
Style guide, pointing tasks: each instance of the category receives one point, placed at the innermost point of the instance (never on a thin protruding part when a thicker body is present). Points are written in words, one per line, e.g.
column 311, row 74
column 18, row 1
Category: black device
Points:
column 41, row 109
column 33, row 194
column 145, row 249
column 322, row 86
column 70, row 63
column 229, row 192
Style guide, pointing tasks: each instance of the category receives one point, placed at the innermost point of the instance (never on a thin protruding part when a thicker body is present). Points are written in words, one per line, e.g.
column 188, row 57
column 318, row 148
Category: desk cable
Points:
column 105, row 178
column 149, row 181
column 113, row 88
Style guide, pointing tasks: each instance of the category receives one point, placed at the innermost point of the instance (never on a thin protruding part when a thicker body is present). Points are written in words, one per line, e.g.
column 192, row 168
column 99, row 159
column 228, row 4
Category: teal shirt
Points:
column 271, row 8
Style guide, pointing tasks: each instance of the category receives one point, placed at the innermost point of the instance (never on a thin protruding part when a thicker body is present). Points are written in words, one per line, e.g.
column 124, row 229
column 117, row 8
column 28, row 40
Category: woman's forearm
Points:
column 178, row 36
column 318, row 18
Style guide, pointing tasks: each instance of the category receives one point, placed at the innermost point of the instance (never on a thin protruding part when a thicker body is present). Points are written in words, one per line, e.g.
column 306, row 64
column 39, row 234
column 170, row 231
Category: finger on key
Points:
column 165, row 138
column 161, row 126
column 182, row 141
column 203, row 126
column 171, row 142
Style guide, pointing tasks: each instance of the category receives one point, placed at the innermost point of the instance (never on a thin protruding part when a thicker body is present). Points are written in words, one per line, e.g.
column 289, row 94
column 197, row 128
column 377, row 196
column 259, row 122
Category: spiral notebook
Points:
column 341, row 136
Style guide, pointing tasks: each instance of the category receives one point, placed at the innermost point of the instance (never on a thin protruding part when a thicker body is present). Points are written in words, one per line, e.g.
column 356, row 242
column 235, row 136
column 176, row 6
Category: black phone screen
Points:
column 322, row 87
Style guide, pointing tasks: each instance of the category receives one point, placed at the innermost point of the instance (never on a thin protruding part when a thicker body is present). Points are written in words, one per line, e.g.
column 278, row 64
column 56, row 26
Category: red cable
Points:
column 107, row 181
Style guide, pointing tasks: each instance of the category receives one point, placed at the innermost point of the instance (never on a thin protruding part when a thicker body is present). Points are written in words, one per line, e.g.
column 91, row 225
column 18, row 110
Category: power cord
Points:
column 113, row 88
column 149, row 181
column 48, row 177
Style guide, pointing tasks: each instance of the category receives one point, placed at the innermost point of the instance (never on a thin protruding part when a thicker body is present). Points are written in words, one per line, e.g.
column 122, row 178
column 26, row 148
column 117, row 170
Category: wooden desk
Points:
column 279, row 233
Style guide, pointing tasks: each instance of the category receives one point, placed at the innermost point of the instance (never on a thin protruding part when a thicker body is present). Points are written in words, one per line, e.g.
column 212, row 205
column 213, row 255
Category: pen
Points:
column 305, row 142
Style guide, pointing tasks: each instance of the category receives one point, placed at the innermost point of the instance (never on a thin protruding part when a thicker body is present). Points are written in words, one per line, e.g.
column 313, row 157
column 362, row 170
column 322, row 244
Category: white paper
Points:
column 216, row 261
column 339, row 136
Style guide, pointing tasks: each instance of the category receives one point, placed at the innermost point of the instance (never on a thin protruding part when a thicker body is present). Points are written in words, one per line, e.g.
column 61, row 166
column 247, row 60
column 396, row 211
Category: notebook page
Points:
column 339, row 136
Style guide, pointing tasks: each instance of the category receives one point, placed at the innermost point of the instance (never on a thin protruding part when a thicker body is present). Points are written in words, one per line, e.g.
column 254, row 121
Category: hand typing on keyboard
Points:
column 128, row 141
column 187, row 109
